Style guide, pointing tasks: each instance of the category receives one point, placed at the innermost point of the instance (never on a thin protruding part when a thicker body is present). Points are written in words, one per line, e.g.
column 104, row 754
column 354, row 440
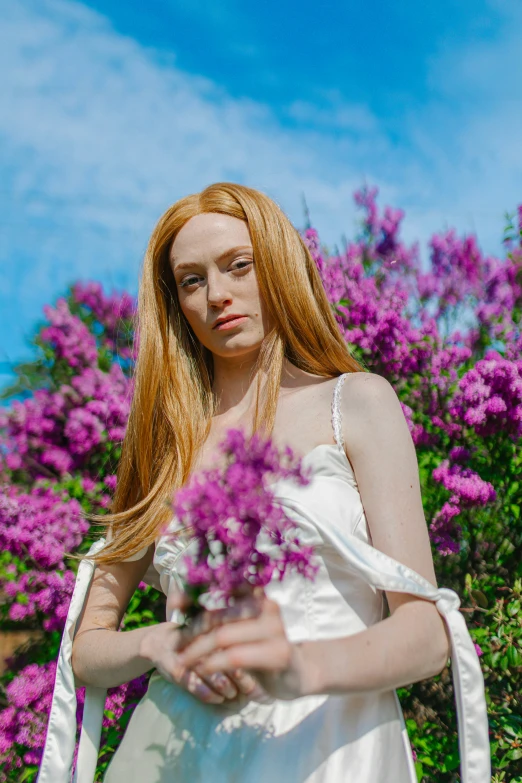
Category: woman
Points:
column 235, row 330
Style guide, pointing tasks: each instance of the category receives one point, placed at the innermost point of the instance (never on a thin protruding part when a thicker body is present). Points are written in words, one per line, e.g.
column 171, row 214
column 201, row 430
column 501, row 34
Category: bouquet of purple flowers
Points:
column 240, row 537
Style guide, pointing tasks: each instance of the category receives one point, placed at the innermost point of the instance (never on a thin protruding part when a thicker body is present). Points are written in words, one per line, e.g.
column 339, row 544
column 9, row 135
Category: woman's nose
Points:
column 217, row 294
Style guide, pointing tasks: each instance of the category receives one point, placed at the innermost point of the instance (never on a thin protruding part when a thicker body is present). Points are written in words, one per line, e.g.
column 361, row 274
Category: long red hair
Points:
column 173, row 403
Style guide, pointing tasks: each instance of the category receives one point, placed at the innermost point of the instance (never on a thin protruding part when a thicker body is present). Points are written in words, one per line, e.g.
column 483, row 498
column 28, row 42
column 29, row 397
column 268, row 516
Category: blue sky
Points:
column 111, row 111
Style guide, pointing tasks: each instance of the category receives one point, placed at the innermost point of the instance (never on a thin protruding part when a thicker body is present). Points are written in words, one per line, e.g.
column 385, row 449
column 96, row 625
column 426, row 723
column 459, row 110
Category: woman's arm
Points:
column 105, row 657
column 410, row 645
column 382, row 453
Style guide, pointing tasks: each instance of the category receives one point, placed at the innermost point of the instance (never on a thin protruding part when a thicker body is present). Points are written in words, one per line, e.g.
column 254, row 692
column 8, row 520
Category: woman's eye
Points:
column 188, row 281
column 242, row 264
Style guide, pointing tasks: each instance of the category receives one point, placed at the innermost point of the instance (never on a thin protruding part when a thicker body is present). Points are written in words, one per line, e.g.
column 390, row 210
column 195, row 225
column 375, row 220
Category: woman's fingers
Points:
column 177, row 600
column 219, row 682
column 267, row 625
column 244, row 682
column 206, row 621
column 194, row 684
column 268, row 655
column 206, row 644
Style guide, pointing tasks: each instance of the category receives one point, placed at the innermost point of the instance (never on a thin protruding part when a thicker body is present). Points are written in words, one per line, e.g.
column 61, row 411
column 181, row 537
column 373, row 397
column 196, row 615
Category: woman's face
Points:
column 213, row 265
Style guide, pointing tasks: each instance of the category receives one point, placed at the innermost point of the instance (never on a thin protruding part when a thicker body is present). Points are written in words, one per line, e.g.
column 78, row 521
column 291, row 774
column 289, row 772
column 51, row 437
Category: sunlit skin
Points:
column 214, row 268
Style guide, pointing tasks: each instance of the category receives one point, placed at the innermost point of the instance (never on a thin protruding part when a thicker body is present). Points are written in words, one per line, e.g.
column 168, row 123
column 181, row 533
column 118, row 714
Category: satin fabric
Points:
column 322, row 739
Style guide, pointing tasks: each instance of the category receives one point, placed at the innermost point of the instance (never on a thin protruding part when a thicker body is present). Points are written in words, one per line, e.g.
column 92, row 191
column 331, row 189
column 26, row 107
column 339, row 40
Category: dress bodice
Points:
column 337, row 602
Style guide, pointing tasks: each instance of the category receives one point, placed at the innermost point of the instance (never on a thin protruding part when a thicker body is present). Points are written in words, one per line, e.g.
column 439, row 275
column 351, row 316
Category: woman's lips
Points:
column 233, row 322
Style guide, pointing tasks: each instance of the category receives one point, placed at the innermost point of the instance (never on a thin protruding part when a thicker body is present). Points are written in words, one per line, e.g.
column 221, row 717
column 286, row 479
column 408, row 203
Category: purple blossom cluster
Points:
column 465, row 485
column 120, row 699
column 111, row 313
column 23, row 723
column 41, row 596
column 467, row 490
column 69, row 336
column 457, row 271
column 41, row 525
column 243, row 536
column 400, row 319
column 57, row 432
column 444, row 531
column 489, row 397
column 37, row 528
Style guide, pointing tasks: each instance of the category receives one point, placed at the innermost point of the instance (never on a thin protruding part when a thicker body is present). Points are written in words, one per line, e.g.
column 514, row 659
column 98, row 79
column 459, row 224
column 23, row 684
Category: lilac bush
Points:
column 69, row 429
column 447, row 334
column 23, row 723
column 37, row 528
column 489, row 397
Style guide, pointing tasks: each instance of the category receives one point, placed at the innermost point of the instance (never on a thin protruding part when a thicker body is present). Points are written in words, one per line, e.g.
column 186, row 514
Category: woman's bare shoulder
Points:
column 366, row 389
column 369, row 404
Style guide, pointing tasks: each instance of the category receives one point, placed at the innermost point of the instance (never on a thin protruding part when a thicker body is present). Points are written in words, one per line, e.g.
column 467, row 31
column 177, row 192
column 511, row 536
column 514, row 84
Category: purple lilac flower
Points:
column 69, row 336
column 61, row 431
column 489, row 396
column 40, row 526
column 110, row 312
column 465, row 485
column 444, row 532
column 243, row 536
column 23, row 723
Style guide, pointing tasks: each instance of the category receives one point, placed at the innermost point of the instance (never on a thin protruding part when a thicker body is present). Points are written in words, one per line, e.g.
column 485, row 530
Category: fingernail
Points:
column 230, row 692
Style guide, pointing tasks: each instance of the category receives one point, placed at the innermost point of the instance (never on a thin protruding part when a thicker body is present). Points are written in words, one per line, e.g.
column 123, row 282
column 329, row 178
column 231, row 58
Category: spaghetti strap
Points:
column 336, row 412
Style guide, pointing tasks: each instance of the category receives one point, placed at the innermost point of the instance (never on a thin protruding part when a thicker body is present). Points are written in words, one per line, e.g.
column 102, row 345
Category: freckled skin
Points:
column 212, row 287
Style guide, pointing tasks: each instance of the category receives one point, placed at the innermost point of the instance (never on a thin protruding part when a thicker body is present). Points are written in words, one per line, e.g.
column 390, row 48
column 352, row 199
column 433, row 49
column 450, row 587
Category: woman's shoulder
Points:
column 367, row 388
column 358, row 391
column 369, row 405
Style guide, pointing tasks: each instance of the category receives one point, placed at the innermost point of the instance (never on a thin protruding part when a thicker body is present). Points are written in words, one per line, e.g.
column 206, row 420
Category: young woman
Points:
column 235, row 330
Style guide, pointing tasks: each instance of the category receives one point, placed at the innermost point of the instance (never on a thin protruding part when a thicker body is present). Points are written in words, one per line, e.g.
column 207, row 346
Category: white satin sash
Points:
column 58, row 754
column 385, row 573
column 365, row 561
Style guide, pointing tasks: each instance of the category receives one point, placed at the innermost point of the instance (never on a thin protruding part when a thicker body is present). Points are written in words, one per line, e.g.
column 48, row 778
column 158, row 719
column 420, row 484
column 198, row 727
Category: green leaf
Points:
column 514, row 657
column 27, row 774
column 479, row 597
column 452, row 761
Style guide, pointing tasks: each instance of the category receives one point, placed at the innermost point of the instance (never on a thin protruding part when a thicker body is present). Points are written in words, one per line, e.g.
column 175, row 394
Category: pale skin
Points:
column 234, row 653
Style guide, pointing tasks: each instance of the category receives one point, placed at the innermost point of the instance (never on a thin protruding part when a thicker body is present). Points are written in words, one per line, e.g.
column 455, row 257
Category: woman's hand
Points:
column 251, row 636
column 160, row 646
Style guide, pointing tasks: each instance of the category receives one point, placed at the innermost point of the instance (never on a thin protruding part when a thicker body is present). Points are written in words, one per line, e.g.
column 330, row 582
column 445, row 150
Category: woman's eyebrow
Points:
column 229, row 252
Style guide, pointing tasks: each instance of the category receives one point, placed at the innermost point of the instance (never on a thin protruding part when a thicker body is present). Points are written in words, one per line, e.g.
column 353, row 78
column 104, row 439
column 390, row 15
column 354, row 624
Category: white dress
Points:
column 173, row 737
